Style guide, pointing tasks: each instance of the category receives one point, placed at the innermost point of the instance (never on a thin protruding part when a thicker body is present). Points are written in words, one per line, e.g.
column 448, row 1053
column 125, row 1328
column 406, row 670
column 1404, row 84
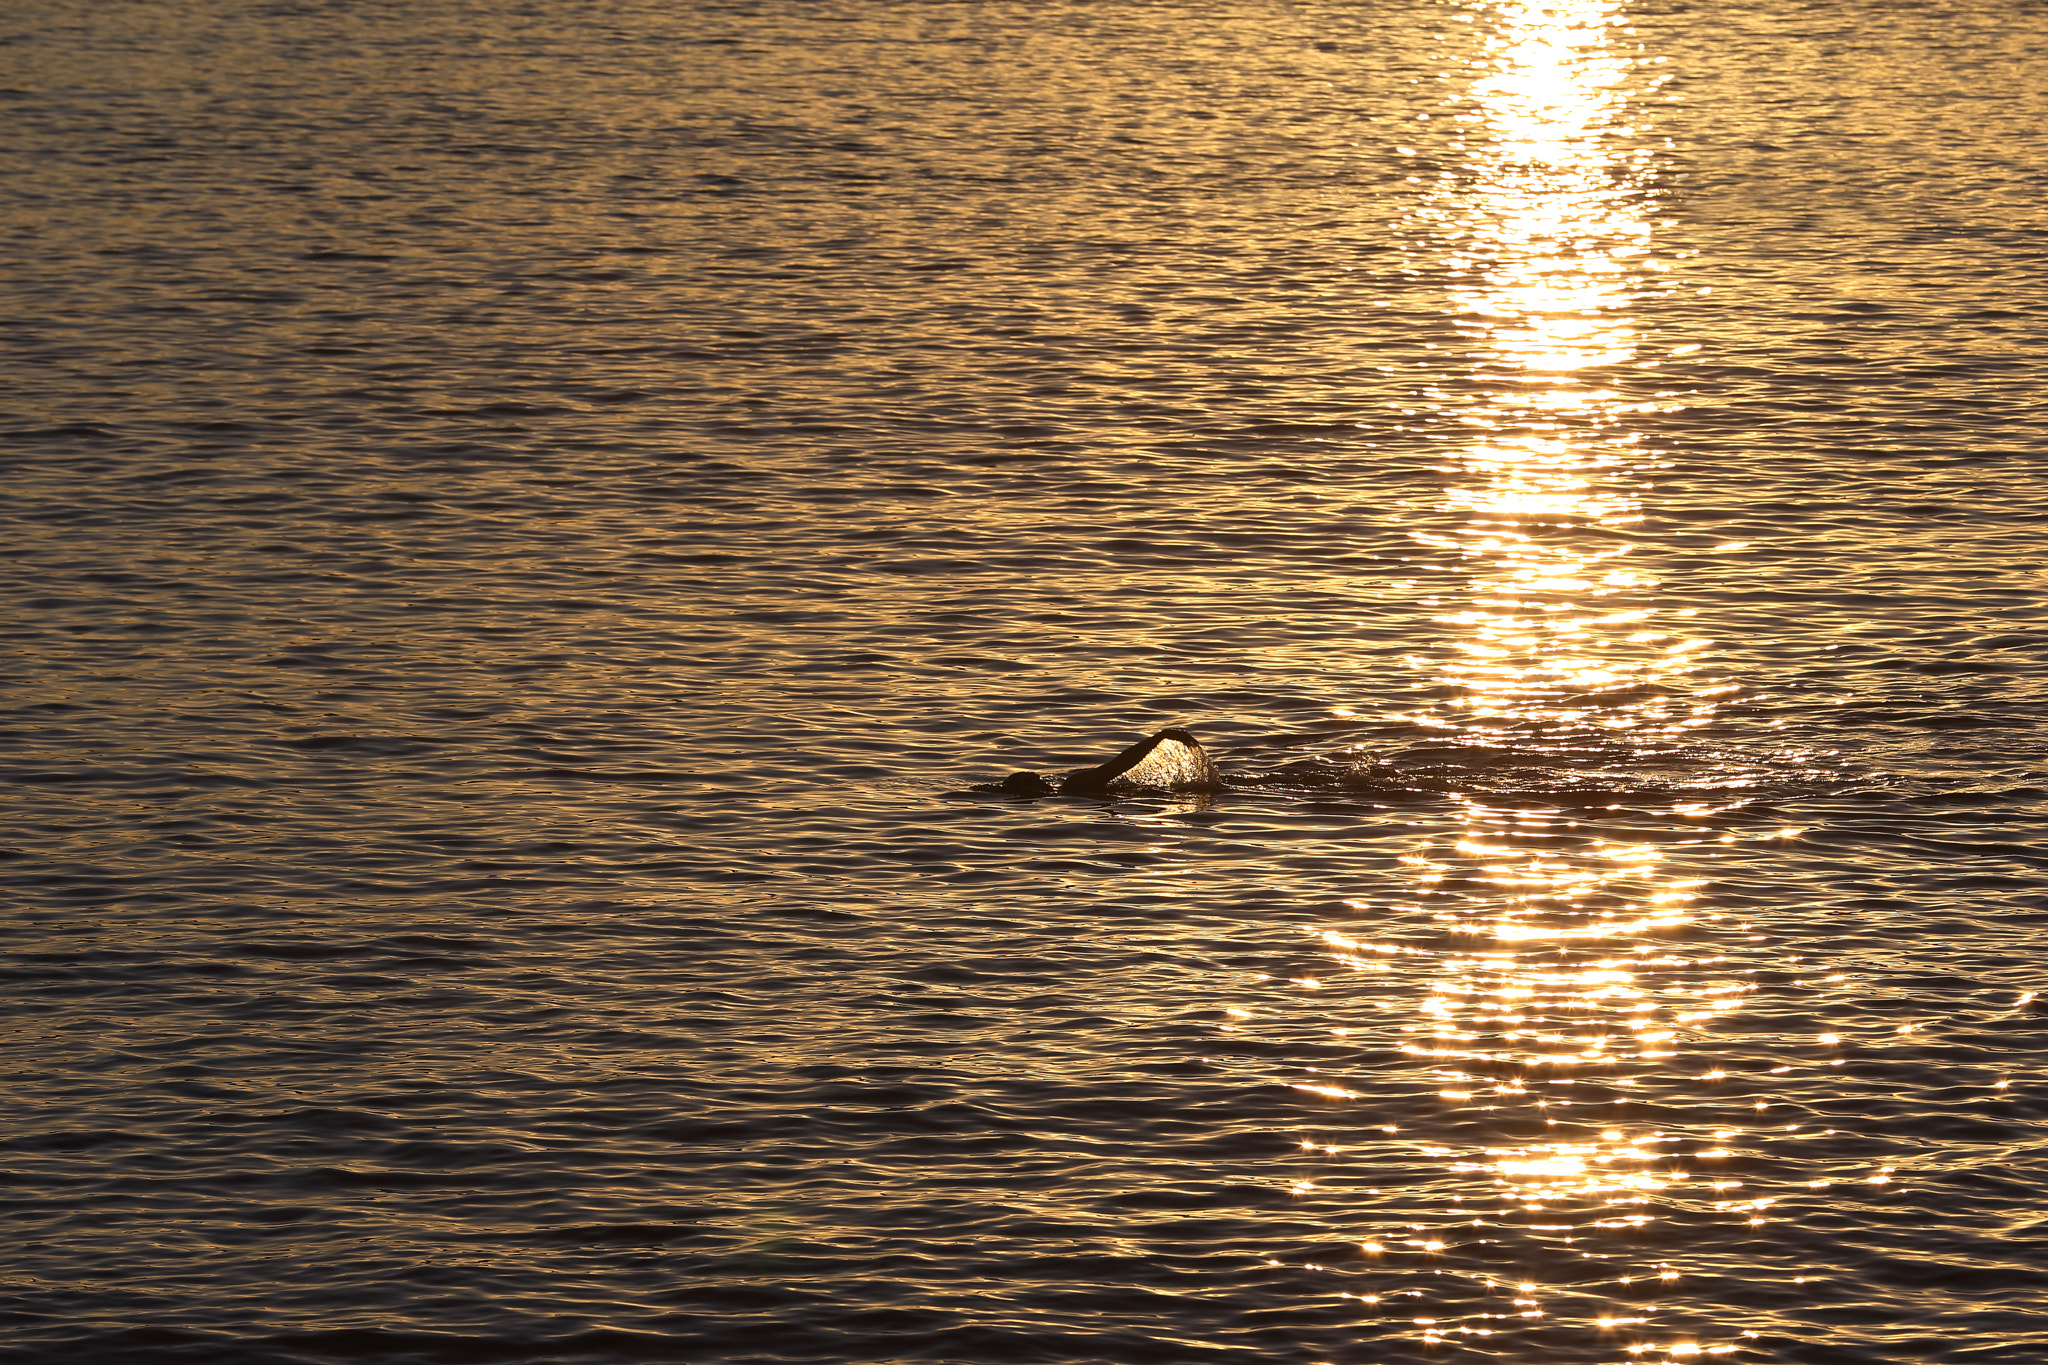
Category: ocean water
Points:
column 525, row 526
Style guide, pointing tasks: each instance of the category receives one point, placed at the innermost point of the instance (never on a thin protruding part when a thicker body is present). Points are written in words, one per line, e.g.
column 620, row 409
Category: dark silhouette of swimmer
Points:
column 1172, row 759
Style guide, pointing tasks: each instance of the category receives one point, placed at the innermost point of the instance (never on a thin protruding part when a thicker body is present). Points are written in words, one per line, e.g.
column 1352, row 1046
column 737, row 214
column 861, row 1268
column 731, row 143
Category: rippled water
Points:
column 525, row 524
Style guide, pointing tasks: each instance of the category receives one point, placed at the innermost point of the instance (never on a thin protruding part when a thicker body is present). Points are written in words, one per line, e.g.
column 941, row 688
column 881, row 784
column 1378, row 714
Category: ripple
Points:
column 518, row 547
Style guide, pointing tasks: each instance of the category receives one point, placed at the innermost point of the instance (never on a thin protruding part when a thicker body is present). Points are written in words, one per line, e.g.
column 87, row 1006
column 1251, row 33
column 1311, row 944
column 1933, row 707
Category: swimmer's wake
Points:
column 1173, row 760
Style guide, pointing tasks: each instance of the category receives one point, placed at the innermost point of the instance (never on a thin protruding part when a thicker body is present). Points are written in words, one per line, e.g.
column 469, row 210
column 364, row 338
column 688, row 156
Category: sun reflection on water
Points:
column 1544, row 232
column 1568, row 961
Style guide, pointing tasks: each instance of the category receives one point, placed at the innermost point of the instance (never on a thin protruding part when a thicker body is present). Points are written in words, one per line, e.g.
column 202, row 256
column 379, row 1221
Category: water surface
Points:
column 525, row 524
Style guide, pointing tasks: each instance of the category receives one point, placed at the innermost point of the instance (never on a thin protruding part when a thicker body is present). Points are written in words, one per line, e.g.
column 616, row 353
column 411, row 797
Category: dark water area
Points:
column 524, row 525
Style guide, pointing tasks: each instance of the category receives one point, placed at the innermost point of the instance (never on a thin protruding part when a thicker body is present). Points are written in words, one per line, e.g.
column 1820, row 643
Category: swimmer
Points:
column 1173, row 759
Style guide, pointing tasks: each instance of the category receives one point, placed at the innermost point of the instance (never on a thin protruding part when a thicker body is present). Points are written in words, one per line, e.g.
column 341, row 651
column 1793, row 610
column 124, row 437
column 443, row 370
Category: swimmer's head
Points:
column 1025, row 784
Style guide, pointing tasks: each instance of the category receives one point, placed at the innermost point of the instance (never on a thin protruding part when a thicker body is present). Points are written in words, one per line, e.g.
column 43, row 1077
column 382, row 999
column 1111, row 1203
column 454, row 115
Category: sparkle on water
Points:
column 1548, row 223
